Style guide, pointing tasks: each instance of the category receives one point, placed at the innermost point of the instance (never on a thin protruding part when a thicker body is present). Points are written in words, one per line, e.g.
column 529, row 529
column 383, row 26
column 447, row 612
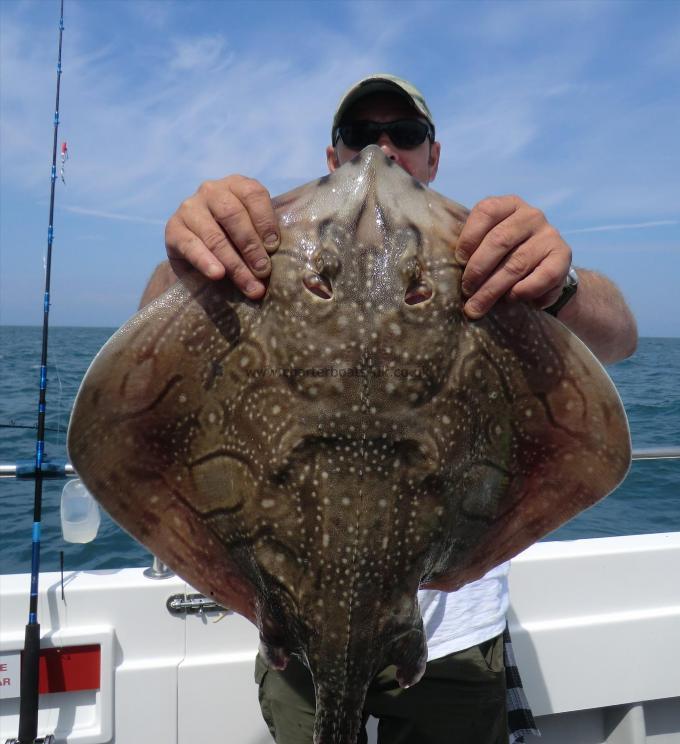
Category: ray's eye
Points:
column 325, row 267
column 326, row 262
column 418, row 289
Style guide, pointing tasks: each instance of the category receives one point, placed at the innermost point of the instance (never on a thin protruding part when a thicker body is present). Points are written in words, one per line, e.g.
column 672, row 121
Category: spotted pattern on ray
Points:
column 313, row 459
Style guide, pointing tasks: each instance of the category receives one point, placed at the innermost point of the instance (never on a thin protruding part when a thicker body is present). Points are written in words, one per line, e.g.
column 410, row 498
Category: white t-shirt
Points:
column 471, row 615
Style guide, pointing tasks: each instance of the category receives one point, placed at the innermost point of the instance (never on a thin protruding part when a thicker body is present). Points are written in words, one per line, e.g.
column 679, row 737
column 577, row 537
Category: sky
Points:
column 573, row 106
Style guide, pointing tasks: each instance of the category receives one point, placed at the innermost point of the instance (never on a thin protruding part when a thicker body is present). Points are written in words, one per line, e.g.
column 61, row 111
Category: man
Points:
column 509, row 249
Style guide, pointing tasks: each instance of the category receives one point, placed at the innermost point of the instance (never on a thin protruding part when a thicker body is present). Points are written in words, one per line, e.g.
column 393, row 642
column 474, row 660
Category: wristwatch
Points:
column 568, row 291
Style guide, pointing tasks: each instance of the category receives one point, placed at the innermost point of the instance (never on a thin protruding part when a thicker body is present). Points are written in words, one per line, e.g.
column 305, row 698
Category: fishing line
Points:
column 61, row 571
column 61, row 431
column 12, row 425
column 28, row 706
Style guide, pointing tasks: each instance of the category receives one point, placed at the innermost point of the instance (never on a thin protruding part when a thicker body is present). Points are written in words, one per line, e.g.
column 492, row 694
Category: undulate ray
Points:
column 311, row 460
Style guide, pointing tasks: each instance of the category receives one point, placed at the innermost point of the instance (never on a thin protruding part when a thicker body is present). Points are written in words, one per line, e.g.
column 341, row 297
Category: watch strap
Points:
column 568, row 291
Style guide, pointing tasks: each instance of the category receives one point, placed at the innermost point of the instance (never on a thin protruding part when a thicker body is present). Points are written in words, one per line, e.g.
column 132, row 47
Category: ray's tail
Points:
column 338, row 718
column 341, row 683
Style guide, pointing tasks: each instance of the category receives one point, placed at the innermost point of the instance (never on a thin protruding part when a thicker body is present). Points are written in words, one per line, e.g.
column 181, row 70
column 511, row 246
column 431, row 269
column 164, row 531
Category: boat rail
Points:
column 64, row 469
column 656, row 453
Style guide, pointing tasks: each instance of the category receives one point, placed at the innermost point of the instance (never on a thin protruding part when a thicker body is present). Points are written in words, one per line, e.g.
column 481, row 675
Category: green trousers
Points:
column 459, row 700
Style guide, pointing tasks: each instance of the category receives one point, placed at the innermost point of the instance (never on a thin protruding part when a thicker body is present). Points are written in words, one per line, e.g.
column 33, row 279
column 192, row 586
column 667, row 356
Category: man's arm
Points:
column 599, row 316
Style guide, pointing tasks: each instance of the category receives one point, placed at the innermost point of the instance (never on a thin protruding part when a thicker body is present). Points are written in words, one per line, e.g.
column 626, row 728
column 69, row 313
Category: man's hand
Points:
column 226, row 227
column 509, row 248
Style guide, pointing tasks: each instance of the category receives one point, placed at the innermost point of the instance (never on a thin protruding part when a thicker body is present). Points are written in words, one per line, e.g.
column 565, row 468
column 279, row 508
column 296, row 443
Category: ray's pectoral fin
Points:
column 565, row 445
column 142, row 428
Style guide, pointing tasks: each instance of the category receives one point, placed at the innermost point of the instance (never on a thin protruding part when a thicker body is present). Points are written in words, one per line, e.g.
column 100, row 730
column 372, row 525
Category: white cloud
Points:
column 114, row 216
column 200, row 53
column 622, row 226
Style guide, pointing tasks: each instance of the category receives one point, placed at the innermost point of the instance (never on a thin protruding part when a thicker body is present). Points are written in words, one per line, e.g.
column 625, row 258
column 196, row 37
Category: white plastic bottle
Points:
column 80, row 516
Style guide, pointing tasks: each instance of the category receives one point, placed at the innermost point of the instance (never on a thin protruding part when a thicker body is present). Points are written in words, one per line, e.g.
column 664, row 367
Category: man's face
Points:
column 421, row 162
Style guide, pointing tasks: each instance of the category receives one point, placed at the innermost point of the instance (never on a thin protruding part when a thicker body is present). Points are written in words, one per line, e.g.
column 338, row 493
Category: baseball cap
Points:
column 381, row 83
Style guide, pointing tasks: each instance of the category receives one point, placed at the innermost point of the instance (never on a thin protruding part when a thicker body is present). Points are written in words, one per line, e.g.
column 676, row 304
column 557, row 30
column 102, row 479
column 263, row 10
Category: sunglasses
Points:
column 404, row 133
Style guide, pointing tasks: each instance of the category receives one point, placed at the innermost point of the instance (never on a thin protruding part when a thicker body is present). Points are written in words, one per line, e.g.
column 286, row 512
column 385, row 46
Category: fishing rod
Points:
column 30, row 660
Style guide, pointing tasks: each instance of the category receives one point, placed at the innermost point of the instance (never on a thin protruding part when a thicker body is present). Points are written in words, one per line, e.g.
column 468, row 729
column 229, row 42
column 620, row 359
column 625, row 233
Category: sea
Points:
column 648, row 501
